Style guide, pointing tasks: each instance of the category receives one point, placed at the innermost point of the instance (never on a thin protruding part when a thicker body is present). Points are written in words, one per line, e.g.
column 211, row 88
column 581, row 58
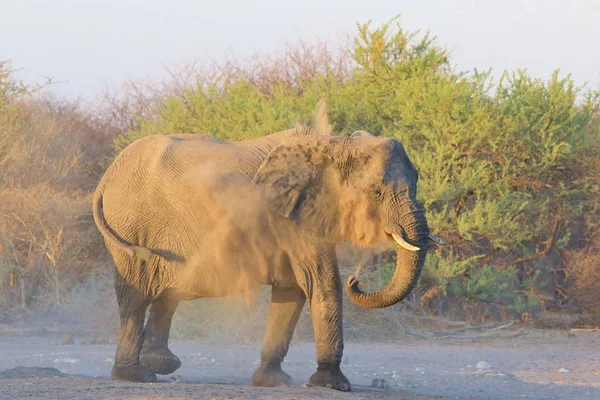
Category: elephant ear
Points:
column 299, row 181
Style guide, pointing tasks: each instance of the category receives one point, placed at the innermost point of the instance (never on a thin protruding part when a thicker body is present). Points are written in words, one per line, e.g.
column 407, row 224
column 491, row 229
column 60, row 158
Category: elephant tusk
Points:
column 436, row 239
column 402, row 243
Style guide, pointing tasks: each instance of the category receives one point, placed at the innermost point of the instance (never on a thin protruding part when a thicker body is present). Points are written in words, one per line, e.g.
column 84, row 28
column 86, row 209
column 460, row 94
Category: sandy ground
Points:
column 524, row 367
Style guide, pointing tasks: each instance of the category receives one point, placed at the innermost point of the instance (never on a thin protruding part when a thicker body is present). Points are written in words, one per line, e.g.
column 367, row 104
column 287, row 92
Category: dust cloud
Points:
column 244, row 244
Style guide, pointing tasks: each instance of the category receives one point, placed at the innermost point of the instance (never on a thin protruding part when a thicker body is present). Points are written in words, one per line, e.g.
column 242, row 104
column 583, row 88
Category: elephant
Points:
column 187, row 216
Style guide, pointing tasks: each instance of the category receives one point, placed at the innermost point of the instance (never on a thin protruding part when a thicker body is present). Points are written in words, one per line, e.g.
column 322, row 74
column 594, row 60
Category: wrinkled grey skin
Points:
column 152, row 226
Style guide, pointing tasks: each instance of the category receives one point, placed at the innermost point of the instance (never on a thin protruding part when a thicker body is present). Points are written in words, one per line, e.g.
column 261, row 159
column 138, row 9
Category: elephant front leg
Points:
column 155, row 354
column 285, row 309
column 326, row 311
column 327, row 322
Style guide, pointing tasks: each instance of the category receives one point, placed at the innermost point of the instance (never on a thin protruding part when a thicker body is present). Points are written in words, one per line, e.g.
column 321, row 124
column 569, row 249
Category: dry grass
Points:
column 49, row 159
column 584, row 270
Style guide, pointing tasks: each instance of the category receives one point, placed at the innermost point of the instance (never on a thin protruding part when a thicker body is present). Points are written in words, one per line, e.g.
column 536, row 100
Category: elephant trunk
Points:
column 410, row 261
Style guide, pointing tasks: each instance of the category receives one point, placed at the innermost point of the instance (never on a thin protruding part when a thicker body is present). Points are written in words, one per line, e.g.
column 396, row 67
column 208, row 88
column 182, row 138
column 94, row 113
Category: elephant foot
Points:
column 270, row 377
column 331, row 377
column 132, row 373
column 159, row 360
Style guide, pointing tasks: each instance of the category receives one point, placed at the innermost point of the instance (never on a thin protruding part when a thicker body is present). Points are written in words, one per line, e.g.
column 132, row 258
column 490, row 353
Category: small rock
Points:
column 95, row 341
column 66, row 360
column 403, row 382
column 500, row 374
column 67, row 338
column 176, row 379
column 564, row 370
column 380, row 383
column 483, row 365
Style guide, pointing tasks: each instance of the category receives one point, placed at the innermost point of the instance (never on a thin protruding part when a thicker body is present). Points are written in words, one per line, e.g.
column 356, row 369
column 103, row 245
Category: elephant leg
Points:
column 325, row 297
column 155, row 354
column 286, row 307
column 132, row 310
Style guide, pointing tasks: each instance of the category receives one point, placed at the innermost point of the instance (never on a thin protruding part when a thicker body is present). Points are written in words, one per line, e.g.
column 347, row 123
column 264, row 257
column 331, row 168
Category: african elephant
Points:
column 187, row 216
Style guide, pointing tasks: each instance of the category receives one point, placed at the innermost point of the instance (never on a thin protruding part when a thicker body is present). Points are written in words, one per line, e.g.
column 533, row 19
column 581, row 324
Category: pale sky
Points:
column 96, row 44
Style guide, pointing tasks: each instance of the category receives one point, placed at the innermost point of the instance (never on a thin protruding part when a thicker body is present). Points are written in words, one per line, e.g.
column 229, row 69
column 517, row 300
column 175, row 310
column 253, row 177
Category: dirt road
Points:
column 525, row 367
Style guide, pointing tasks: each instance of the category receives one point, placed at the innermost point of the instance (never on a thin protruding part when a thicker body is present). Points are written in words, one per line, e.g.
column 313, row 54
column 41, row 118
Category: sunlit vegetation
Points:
column 508, row 168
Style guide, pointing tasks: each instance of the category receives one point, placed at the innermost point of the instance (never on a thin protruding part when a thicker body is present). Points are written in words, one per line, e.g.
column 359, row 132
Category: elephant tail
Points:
column 97, row 209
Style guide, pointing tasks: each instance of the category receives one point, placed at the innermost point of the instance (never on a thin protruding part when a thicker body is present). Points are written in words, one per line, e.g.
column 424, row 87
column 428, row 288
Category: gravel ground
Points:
column 538, row 365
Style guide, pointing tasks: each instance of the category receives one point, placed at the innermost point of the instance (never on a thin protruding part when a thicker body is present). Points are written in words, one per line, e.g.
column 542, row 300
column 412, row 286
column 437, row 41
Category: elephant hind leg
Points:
column 284, row 312
column 155, row 354
column 132, row 310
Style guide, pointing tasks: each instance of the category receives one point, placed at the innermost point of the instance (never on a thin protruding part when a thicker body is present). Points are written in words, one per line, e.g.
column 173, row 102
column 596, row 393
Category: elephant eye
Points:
column 375, row 191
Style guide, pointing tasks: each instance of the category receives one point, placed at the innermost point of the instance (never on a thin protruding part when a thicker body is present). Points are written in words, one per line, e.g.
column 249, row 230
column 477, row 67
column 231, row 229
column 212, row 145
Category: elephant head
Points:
column 308, row 179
